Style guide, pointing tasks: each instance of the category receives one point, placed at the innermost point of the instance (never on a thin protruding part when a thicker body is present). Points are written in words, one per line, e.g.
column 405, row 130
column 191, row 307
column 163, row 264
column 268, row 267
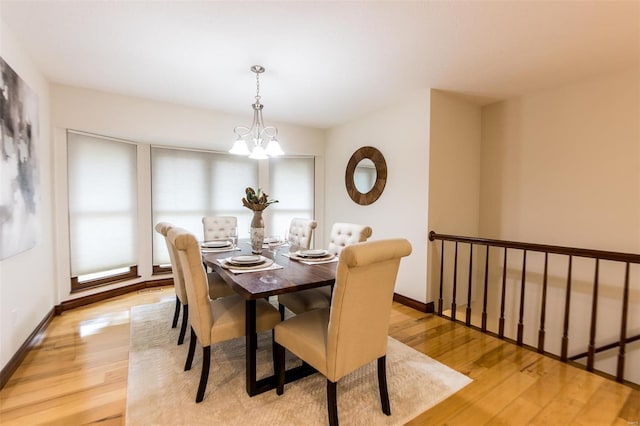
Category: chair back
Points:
column 301, row 231
column 218, row 227
column 361, row 304
column 195, row 282
column 344, row 234
column 178, row 280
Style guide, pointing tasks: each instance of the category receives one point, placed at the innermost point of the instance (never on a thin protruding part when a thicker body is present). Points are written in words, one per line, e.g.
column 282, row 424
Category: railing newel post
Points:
column 486, row 289
column 623, row 326
column 594, row 315
column 455, row 283
column 567, row 307
column 504, row 293
column 543, row 308
column 468, row 311
column 522, row 289
column 440, row 301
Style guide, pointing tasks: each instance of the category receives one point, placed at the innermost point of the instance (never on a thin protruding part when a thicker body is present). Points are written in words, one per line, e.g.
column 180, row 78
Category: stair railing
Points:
column 626, row 258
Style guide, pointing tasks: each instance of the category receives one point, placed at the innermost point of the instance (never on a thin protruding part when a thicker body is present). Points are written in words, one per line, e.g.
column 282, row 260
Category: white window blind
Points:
column 102, row 182
column 187, row 185
column 291, row 182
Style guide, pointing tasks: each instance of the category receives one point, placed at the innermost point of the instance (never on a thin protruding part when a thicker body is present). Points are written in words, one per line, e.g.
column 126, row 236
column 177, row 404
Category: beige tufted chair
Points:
column 300, row 232
column 342, row 235
column 217, row 286
column 212, row 321
column 353, row 331
column 218, row 227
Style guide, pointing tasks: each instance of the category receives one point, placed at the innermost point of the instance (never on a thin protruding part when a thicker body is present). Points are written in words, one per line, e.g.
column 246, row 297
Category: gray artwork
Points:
column 18, row 164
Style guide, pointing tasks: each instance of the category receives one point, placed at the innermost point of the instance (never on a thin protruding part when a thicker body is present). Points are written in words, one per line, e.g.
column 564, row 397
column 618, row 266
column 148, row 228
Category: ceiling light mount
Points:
column 258, row 132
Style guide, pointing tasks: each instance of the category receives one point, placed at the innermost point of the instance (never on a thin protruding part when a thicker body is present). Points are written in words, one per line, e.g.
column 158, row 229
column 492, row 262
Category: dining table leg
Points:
column 251, row 346
column 253, row 385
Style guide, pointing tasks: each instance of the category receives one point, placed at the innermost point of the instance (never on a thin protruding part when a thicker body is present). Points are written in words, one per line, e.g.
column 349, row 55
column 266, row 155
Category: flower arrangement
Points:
column 256, row 201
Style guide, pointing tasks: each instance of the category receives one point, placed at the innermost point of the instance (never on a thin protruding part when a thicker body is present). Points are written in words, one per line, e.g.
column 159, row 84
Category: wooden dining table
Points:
column 255, row 285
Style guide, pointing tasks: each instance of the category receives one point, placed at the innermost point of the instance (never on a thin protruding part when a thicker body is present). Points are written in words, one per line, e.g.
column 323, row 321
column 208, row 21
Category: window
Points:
column 291, row 182
column 187, row 185
column 102, row 182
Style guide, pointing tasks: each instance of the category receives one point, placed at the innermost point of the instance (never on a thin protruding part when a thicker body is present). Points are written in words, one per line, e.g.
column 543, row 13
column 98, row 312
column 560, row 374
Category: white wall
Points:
column 154, row 123
column 27, row 288
column 562, row 166
column 454, row 185
column 401, row 133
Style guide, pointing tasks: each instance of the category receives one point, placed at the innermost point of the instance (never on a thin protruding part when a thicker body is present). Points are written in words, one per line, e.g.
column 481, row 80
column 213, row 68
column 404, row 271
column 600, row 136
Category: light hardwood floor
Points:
column 78, row 374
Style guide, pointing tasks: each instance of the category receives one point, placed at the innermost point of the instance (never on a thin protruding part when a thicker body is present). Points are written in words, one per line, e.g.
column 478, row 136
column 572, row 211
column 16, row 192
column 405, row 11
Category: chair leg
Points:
column 281, row 309
column 273, row 351
column 332, row 402
column 279, row 366
column 176, row 314
column 382, row 385
column 183, row 329
column 192, row 350
column 204, row 376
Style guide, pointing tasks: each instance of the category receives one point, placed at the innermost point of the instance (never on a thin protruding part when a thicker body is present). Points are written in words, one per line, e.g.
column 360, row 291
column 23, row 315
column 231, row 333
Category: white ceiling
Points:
column 327, row 62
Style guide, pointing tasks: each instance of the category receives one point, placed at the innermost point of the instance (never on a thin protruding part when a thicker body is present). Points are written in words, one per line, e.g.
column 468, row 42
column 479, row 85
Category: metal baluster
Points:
column 623, row 326
column 594, row 316
column 504, row 291
column 455, row 284
column 440, row 302
column 544, row 306
column 486, row 288
column 522, row 284
column 567, row 305
column 468, row 312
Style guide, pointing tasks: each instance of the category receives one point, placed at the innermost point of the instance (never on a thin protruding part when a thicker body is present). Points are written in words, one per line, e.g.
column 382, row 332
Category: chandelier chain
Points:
column 258, row 87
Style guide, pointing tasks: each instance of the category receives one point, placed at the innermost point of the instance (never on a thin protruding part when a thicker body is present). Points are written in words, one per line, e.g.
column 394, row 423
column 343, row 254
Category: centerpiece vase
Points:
column 257, row 232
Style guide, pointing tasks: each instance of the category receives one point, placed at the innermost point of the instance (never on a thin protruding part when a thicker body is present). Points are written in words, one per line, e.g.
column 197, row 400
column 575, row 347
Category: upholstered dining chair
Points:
column 217, row 286
column 212, row 321
column 353, row 331
column 218, row 227
column 342, row 235
column 301, row 232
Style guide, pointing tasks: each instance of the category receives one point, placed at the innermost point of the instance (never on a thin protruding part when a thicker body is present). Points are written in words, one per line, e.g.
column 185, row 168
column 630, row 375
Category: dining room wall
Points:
column 401, row 132
column 149, row 122
column 454, row 184
column 562, row 165
column 27, row 285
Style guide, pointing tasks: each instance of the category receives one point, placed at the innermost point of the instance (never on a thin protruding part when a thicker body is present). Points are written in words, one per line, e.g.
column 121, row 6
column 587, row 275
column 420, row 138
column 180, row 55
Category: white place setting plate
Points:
column 247, row 260
column 312, row 253
column 215, row 244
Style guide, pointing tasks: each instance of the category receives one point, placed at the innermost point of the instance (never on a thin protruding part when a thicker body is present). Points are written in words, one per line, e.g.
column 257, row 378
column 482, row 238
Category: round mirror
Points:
column 366, row 175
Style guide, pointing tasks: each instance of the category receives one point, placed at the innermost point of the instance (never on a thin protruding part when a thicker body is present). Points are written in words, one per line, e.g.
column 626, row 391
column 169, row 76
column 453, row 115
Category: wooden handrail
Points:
column 606, row 347
column 594, row 254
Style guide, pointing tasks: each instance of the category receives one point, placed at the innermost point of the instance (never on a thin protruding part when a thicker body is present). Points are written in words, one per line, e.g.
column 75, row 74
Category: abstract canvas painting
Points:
column 19, row 196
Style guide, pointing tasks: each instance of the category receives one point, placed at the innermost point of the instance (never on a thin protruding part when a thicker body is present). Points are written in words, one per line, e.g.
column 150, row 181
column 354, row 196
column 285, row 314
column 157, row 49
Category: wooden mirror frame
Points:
column 381, row 175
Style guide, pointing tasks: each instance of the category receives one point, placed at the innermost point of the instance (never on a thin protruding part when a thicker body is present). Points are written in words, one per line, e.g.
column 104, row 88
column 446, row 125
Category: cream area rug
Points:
column 159, row 392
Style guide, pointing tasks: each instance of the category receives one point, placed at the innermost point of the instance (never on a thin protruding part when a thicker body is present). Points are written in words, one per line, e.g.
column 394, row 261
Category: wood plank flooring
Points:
column 78, row 374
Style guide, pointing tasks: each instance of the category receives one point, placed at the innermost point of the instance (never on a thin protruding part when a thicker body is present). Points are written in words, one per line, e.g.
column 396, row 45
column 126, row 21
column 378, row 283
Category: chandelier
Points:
column 258, row 132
